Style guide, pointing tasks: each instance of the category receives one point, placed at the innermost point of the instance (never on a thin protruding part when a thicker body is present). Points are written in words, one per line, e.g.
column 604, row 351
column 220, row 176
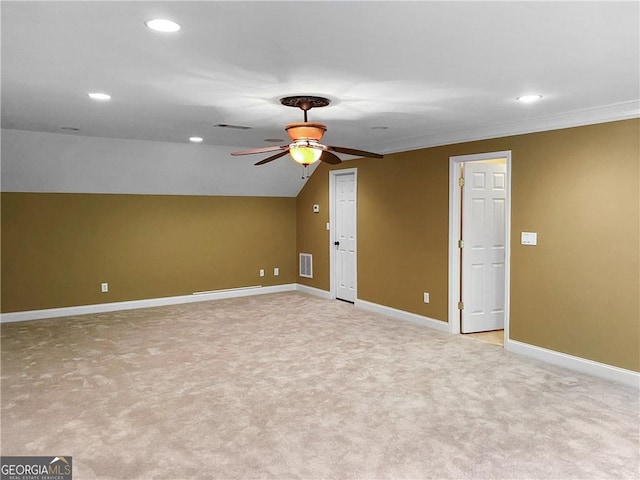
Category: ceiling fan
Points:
column 305, row 147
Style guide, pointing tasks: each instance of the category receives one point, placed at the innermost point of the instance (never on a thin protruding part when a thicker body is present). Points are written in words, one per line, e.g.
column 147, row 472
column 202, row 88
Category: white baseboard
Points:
column 602, row 370
column 402, row 315
column 314, row 291
column 152, row 302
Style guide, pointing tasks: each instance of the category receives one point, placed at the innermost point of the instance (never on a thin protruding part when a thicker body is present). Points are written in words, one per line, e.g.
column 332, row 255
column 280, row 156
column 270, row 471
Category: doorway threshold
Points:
column 494, row 337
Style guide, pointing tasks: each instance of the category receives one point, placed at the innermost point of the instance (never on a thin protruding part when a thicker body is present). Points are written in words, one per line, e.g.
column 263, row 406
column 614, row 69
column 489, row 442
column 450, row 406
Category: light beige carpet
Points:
column 290, row 386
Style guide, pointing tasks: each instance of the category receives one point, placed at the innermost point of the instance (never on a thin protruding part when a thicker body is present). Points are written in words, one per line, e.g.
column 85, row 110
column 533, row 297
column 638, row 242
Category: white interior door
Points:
column 483, row 252
column 345, row 236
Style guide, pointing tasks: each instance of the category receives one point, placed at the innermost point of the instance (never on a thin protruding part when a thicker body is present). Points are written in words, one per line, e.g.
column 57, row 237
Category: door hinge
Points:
column 460, row 243
column 461, row 181
column 460, row 305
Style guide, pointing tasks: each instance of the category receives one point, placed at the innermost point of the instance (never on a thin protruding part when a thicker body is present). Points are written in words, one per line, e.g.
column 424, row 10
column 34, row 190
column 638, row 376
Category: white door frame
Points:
column 455, row 164
column 333, row 174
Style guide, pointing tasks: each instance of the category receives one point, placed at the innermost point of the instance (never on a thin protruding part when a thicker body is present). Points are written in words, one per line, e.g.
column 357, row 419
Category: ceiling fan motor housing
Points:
column 305, row 131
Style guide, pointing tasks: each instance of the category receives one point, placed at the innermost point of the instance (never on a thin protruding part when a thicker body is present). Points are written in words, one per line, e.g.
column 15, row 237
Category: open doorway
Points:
column 479, row 225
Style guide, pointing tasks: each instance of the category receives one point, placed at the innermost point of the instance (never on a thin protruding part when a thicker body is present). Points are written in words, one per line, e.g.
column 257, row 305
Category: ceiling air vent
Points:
column 237, row 127
column 306, row 265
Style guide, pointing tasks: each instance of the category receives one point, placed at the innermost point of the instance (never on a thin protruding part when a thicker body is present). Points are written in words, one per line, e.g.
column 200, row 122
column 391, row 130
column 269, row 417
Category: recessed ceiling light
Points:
column 162, row 25
column 100, row 96
column 529, row 98
column 195, row 139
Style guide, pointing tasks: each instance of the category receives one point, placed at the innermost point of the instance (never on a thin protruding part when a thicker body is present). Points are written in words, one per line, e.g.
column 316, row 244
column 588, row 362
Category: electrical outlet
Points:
column 276, row 271
column 426, row 297
column 262, row 272
column 105, row 287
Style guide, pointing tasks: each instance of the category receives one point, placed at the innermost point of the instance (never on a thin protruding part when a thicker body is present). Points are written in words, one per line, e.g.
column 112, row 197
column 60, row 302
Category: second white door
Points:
column 345, row 236
column 483, row 252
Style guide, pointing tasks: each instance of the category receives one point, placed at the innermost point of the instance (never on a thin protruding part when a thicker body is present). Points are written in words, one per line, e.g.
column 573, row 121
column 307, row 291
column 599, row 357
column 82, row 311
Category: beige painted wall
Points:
column 577, row 292
column 58, row 248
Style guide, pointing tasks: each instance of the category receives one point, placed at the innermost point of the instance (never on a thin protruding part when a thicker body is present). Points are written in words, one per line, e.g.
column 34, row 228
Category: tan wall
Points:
column 58, row 248
column 577, row 292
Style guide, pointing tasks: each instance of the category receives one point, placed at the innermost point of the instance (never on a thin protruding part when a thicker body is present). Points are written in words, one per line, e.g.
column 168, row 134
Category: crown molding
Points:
column 577, row 118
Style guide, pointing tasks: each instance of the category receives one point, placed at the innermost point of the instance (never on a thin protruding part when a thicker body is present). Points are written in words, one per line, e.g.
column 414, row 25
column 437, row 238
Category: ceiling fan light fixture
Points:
column 306, row 152
column 305, row 147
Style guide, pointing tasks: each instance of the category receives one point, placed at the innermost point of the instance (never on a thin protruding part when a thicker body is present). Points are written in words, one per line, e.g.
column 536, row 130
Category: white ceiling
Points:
column 432, row 72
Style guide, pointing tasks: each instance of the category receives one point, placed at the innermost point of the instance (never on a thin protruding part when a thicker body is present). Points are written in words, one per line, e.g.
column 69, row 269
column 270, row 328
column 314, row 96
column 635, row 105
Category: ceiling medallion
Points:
column 305, row 102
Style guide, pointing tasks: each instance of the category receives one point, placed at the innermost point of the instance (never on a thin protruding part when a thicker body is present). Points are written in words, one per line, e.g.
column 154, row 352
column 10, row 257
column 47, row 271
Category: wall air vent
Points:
column 237, row 127
column 306, row 265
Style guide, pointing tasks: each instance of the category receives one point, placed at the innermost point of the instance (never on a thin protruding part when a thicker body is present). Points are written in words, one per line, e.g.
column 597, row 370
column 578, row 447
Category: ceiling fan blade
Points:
column 330, row 158
column 272, row 157
column 352, row 151
column 261, row 150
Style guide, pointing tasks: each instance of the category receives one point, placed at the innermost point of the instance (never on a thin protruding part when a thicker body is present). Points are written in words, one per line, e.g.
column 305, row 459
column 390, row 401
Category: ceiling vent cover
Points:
column 227, row 125
column 306, row 265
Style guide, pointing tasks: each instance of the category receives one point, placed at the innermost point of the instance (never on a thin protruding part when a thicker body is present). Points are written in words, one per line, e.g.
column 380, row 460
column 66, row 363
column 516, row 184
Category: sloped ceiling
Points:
column 400, row 75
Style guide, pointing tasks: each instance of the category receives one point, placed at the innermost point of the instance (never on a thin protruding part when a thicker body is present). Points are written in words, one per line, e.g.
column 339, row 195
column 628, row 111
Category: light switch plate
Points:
column 529, row 238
